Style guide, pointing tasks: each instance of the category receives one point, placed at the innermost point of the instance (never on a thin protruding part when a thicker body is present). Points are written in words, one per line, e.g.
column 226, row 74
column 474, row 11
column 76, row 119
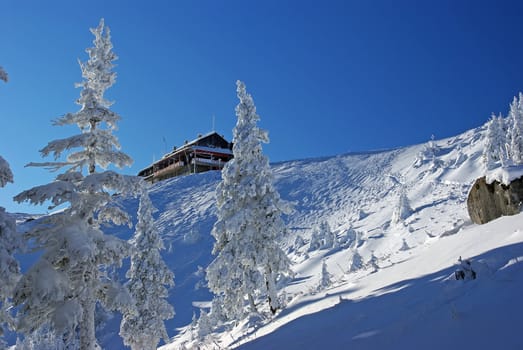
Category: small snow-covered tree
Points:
column 142, row 329
column 402, row 210
column 331, row 239
column 356, row 262
column 63, row 287
column 316, row 241
column 298, row 242
column 516, row 130
column 322, row 237
column 496, row 139
column 325, row 277
column 3, row 75
column 428, row 154
column 373, row 263
column 248, row 260
column 204, row 325
column 404, row 246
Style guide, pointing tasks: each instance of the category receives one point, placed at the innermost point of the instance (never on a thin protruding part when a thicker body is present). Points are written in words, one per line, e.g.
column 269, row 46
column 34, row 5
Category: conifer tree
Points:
column 142, row 329
column 496, row 139
column 373, row 263
column 6, row 175
column 404, row 245
column 248, row 259
column 516, row 130
column 325, row 278
column 316, row 241
column 9, row 245
column 402, row 209
column 63, row 287
column 356, row 262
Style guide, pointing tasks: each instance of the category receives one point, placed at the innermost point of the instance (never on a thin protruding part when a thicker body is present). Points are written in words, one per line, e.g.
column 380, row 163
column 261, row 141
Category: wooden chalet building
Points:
column 207, row 152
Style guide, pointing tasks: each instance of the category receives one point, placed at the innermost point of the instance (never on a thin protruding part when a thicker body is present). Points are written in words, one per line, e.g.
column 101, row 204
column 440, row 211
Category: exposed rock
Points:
column 487, row 202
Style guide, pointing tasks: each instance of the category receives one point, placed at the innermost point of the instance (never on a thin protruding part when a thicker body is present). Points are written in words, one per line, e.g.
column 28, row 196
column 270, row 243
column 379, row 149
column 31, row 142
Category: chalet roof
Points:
column 190, row 145
column 199, row 138
column 195, row 141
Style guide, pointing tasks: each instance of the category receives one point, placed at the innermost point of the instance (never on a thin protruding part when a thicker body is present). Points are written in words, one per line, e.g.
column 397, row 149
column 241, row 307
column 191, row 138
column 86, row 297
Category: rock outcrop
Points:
column 487, row 202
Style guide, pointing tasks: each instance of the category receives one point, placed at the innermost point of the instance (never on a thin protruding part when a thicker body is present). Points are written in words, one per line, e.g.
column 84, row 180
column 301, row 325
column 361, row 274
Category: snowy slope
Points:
column 356, row 194
column 404, row 299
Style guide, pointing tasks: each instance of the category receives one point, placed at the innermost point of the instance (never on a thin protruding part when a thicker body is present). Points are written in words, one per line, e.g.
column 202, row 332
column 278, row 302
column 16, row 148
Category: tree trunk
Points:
column 270, row 288
column 87, row 335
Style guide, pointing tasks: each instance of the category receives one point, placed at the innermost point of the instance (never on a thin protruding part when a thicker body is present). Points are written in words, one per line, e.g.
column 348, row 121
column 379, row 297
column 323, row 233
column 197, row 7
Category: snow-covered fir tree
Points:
column 6, row 175
column 3, row 75
column 516, row 130
column 249, row 260
column 373, row 263
column 64, row 286
column 356, row 262
column 404, row 245
column 495, row 142
column 316, row 241
column 330, row 238
column 322, row 237
column 204, row 325
column 142, row 329
column 298, row 242
column 9, row 244
column 428, row 155
column 325, row 277
column 402, row 210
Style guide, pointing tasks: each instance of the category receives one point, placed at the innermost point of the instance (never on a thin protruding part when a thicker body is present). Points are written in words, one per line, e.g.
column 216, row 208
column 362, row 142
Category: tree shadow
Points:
column 429, row 312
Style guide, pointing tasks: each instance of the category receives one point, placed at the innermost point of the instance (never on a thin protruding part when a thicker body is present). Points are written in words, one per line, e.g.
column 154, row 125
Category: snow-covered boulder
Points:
column 490, row 199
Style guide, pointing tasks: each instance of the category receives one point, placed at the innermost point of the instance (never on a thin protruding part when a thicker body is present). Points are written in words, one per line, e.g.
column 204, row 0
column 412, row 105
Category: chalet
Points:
column 207, row 152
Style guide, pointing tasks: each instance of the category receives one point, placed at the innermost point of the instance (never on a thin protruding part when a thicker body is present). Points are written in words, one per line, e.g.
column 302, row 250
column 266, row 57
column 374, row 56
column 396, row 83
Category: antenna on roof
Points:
column 213, row 121
column 164, row 145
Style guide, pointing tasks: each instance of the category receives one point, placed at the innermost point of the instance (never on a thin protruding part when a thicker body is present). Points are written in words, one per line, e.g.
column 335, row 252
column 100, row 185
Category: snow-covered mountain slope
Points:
column 406, row 288
column 401, row 296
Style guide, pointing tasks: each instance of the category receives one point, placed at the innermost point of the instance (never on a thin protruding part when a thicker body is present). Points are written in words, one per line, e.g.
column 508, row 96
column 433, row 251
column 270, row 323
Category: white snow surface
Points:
column 405, row 295
column 505, row 175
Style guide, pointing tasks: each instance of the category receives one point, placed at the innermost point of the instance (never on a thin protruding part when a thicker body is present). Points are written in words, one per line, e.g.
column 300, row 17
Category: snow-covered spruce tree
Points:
column 516, row 130
column 3, row 75
column 63, row 287
column 330, row 238
column 402, row 210
column 9, row 244
column 316, row 241
column 404, row 246
column 496, row 139
column 142, row 329
column 322, row 237
column 249, row 259
column 204, row 325
column 356, row 262
column 373, row 263
column 325, row 277
column 6, row 175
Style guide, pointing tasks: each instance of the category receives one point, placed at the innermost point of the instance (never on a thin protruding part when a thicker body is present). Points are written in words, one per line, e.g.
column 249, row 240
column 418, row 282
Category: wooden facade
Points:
column 207, row 152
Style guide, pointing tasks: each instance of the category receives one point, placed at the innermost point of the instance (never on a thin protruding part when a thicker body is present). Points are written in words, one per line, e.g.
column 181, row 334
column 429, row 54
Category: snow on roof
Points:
column 201, row 137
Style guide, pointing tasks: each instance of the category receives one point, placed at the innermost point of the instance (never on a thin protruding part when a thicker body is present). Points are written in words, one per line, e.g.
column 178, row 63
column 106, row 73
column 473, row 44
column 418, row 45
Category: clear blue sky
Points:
column 327, row 77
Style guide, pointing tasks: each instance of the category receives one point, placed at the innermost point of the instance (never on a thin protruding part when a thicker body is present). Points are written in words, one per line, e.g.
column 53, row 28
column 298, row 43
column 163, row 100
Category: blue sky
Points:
column 327, row 77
